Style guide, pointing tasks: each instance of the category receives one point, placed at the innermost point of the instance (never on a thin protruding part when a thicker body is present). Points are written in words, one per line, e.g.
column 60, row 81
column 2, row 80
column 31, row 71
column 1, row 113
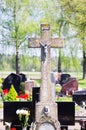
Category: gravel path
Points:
column 80, row 112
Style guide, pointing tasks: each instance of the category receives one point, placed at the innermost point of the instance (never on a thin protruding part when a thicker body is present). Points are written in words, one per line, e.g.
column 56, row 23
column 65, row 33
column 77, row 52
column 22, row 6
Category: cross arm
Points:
column 56, row 42
column 34, row 42
column 53, row 42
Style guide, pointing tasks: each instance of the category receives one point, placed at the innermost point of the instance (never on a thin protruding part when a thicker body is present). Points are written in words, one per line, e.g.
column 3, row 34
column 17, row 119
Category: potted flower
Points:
column 23, row 115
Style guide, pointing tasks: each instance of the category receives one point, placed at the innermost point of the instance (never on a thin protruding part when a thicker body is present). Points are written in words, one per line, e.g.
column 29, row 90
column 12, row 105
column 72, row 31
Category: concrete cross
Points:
column 45, row 43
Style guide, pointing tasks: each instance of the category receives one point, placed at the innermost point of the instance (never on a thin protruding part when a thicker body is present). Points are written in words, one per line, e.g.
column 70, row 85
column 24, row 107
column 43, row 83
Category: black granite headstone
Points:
column 15, row 80
column 66, row 110
column 66, row 113
column 10, row 112
column 35, row 97
column 79, row 97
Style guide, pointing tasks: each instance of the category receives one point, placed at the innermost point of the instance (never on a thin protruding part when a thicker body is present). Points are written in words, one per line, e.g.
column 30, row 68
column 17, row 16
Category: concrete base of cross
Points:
column 46, row 117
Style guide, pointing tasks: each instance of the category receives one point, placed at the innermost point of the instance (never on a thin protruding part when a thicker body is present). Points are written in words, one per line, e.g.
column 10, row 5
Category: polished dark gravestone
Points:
column 10, row 115
column 15, row 80
column 79, row 97
column 66, row 113
column 66, row 110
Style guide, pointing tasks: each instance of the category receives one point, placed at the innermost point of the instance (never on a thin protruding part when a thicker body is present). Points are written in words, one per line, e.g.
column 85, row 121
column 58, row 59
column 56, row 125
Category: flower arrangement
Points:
column 23, row 115
column 5, row 91
column 10, row 95
column 24, row 96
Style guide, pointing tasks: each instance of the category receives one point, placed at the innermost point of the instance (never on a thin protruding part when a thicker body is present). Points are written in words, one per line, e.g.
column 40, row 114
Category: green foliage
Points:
column 65, row 98
column 30, row 63
column 82, row 83
column 22, row 87
column 71, row 64
column 75, row 14
column 1, row 81
column 38, row 82
column 61, row 15
column 0, row 89
column 58, row 88
column 12, row 95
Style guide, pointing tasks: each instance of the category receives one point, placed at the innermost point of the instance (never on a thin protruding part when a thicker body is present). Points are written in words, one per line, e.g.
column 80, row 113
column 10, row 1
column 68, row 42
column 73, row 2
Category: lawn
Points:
column 82, row 83
column 64, row 99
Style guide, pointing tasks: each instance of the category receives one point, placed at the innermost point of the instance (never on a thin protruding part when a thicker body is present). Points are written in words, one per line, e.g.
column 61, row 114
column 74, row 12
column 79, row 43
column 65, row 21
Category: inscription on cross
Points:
column 45, row 43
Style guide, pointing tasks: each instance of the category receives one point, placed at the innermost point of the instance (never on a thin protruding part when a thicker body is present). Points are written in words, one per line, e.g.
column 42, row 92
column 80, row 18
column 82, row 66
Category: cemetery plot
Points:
column 15, row 80
column 67, row 83
column 66, row 110
column 66, row 113
column 80, row 97
column 46, row 110
column 10, row 115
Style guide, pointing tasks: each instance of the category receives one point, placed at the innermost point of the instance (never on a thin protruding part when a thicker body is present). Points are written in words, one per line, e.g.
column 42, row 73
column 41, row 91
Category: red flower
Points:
column 5, row 91
column 13, row 128
column 24, row 96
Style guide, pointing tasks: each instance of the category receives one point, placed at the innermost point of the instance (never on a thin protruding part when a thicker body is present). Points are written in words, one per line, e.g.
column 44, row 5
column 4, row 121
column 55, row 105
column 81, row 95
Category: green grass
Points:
column 64, row 98
column 82, row 83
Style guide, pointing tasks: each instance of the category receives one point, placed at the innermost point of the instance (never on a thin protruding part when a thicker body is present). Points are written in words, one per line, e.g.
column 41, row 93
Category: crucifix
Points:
column 47, row 102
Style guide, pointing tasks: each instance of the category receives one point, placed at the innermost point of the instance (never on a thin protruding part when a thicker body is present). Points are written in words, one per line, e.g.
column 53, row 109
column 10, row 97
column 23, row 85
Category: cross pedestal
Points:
column 46, row 109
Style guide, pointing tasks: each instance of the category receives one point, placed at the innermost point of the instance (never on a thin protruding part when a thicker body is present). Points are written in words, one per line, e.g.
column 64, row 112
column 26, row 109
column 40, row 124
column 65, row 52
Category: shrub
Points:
column 12, row 95
column 22, row 87
column 58, row 88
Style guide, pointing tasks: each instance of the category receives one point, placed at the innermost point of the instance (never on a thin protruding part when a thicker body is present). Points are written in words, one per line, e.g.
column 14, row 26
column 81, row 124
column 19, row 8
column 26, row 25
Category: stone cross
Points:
column 45, row 43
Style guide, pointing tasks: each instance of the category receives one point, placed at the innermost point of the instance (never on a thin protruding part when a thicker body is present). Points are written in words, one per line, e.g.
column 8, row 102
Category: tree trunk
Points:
column 84, row 64
column 59, row 61
column 16, row 41
column 17, row 63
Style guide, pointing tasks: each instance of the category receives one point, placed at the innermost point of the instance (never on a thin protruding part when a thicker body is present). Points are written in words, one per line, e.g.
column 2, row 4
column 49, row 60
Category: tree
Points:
column 24, row 18
column 15, row 29
column 20, row 25
column 75, row 14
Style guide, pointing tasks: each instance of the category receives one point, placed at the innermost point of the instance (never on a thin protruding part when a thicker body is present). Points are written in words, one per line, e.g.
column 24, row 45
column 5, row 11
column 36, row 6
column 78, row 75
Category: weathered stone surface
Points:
column 46, row 108
column 29, row 85
column 52, row 110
